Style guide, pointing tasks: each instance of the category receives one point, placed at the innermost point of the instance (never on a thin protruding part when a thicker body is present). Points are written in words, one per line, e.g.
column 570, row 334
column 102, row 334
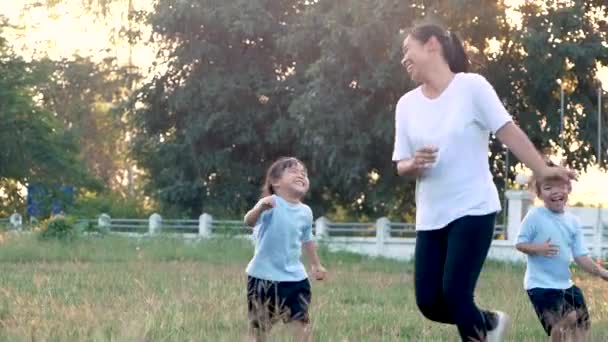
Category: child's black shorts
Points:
column 551, row 305
column 270, row 301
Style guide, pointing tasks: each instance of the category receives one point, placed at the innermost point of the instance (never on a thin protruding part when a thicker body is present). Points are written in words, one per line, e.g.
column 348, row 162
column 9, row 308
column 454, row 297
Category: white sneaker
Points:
column 498, row 333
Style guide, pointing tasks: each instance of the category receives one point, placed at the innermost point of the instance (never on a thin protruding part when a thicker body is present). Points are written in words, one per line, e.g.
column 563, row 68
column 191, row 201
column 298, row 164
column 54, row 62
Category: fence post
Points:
column 519, row 203
column 154, row 224
column 104, row 222
column 597, row 237
column 321, row 227
column 205, row 222
column 16, row 221
column 602, row 229
column 383, row 232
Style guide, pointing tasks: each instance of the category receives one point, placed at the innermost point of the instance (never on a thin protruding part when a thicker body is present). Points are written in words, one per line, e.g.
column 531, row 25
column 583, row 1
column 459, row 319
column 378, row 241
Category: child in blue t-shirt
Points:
column 551, row 237
column 277, row 282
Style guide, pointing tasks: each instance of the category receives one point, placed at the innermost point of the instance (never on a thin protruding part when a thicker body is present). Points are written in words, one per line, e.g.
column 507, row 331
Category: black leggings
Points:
column 448, row 262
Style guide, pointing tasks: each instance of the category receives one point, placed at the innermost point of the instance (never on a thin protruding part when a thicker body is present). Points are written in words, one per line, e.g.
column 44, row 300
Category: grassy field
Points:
column 113, row 289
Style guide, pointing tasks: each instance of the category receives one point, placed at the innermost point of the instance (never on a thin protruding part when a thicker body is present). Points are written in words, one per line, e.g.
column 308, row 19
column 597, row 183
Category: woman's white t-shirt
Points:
column 459, row 123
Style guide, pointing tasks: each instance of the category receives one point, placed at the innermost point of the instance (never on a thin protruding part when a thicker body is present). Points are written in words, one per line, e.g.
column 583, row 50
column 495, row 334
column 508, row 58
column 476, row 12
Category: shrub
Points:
column 60, row 229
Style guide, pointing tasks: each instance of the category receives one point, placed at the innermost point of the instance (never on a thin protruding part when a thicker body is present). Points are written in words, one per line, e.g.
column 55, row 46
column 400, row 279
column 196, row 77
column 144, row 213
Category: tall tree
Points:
column 248, row 81
column 348, row 80
column 217, row 116
column 88, row 98
column 125, row 26
column 558, row 41
column 35, row 147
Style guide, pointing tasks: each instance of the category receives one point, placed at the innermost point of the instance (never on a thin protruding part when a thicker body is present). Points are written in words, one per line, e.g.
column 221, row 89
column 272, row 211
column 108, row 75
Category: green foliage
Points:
column 12, row 200
column 36, row 148
column 60, row 228
column 205, row 131
column 244, row 82
column 249, row 81
column 91, row 205
column 87, row 98
column 557, row 41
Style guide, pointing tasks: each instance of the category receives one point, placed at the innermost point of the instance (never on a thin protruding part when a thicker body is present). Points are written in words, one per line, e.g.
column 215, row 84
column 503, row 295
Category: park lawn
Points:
column 119, row 289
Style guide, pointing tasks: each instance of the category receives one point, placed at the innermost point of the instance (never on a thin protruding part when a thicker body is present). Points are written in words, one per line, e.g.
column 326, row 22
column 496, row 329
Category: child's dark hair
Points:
column 537, row 183
column 453, row 50
column 275, row 171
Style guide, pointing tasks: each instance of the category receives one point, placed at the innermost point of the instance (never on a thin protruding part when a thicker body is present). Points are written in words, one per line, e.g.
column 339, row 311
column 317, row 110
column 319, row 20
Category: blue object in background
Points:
column 41, row 201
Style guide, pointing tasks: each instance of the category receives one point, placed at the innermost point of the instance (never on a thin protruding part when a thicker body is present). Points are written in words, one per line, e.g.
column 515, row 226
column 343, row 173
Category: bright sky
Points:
column 67, row 30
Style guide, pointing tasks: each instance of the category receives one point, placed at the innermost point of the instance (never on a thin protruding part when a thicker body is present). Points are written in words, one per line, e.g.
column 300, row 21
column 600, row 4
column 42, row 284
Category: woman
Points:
column 442, row 140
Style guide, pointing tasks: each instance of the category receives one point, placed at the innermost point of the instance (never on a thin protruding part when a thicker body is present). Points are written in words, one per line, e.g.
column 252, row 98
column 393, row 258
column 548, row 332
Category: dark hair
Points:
column 453, row 50
column 275, row 171
column 537, row 183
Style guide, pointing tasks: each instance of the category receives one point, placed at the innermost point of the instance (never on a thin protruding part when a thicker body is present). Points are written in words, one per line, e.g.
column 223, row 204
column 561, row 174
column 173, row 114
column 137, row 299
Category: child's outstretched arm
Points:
column 318, row 271
column 252, row 215
column 581, row 256
column 591, row 267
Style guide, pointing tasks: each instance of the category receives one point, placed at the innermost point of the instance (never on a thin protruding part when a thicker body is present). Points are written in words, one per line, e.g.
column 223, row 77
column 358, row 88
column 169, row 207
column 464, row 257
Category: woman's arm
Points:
column 519, row 143
column 415, row 167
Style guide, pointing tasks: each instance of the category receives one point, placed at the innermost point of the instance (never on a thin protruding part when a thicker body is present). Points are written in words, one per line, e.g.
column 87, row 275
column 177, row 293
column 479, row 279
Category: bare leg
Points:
column 570, row 323
column 556, row 334
column 301, row 331
column 258, row 335
column 564, row 330
column 580, row 334
column 259, row 330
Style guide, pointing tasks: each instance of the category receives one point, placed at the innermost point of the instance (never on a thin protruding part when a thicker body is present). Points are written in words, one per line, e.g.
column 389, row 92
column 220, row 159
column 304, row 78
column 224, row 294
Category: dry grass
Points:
column 163, row 290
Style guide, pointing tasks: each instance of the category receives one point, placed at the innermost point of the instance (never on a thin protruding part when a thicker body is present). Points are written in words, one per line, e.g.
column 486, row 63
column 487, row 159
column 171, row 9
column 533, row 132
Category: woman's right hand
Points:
column 414, row 167
column 425, row 157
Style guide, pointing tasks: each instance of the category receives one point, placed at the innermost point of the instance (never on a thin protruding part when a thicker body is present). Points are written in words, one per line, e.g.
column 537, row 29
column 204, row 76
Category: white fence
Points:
column 397, row 240
column 380, row 238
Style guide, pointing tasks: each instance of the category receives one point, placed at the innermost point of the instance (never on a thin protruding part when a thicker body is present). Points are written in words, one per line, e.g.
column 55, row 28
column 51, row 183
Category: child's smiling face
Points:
column 554, row 193
column 294, row 180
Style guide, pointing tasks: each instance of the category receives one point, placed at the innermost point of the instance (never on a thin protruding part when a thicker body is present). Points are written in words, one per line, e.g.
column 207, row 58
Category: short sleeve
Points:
column 307, row 232
column 578, row 245
column 527, row 231
column 265, row 217
column 403, row 147
column 490, row 112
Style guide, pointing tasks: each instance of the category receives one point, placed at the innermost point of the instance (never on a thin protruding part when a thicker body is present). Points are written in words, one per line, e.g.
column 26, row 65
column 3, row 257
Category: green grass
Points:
column 116, row 289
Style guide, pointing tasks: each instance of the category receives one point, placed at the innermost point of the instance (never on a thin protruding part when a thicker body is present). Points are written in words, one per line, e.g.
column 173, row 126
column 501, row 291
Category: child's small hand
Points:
column 266, row 203
column 318, row 272
column 547, row 249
